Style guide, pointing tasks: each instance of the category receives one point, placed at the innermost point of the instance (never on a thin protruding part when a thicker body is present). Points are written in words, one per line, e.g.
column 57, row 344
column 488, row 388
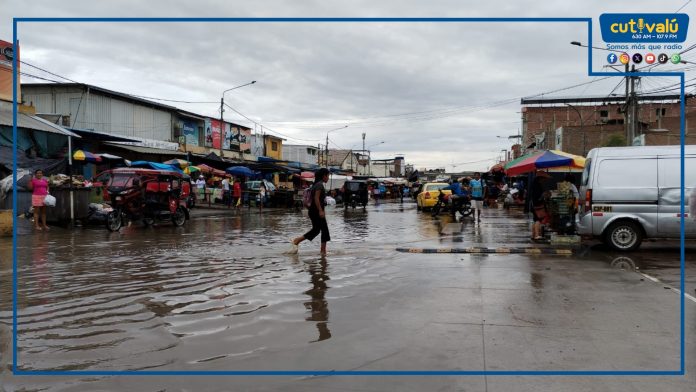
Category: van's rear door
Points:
column 669, row 206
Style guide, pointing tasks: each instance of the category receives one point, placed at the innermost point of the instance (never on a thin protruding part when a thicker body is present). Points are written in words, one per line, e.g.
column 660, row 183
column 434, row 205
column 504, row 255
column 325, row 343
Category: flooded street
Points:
column 219, row 295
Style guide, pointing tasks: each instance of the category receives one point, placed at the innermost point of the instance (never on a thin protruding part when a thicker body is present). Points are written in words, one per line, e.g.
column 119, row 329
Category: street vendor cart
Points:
column 561, row 208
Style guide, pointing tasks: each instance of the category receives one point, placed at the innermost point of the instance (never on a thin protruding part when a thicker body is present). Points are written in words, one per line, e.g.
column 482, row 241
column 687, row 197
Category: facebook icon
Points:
column 611, row 58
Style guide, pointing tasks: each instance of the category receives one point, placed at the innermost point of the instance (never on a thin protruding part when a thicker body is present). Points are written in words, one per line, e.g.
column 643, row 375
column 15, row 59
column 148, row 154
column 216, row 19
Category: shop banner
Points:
column 245, row 140
column 190, row 130
column 208, row 133
column 227, row 141
column 215, row 126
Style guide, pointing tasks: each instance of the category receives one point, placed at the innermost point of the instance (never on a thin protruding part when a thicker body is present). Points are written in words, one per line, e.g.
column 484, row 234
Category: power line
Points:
column 48, row 72
column 269, row 129
column 682, row 7
column 172, row 100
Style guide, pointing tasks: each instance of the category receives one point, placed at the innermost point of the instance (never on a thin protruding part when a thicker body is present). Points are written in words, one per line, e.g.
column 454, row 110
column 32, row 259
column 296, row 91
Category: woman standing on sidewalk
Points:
column 317, row 213
column 39, row 187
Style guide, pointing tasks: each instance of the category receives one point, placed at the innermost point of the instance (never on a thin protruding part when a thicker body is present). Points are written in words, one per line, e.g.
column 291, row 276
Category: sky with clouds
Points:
column 438, row 93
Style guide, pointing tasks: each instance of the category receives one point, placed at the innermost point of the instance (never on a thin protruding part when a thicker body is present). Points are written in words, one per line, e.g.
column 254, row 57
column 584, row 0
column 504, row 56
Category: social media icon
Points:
column 611, row 58
column 637, row 58
column 676, row 58
column 662, row 58
column 650, row 58
column 624, row 59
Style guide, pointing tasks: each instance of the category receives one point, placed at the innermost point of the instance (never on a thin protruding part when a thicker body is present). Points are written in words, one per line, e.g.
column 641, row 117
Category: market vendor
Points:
column 539, row 195
column 200, row 187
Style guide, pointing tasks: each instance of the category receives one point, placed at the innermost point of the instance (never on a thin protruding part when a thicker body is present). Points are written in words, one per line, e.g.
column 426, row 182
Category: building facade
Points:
column 349, row 161
column 156, row 125
column 89, row 107
column 302, row 153
column 576, row 125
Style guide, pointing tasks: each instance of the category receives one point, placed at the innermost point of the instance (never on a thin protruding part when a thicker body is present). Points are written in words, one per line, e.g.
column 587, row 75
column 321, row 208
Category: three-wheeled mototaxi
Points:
column 145, row 195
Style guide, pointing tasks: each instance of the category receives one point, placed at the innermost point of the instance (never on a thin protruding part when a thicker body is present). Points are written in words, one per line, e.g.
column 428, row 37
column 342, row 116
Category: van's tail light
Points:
column 588, row 200
column 427, row 195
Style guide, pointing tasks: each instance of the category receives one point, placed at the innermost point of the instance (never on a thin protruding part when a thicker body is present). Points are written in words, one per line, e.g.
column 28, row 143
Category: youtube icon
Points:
column 650, row 58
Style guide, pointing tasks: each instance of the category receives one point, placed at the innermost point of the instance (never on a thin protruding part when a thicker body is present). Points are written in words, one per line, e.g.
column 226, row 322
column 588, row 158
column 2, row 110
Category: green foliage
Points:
column 615, row 141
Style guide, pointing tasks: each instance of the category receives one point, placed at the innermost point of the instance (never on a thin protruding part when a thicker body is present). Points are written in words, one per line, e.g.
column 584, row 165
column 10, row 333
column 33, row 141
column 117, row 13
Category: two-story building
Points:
column 305, row 155
column 578, row 124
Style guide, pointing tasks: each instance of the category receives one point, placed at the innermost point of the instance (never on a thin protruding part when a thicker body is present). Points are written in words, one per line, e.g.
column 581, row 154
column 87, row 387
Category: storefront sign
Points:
column 7, row 53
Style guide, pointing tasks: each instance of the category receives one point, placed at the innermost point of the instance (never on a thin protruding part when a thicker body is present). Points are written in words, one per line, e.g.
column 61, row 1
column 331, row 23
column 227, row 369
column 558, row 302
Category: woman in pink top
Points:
column 39, row 187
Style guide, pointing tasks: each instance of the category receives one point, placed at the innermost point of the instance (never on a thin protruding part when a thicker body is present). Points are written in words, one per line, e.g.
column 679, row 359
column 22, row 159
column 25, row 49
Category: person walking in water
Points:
column 478, row 193
column 237, row 193
column 261, row 197
column 317, row 213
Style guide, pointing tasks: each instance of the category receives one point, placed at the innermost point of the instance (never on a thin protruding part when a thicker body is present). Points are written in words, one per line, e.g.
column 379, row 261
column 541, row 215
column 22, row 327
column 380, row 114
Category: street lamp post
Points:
column 326, row 155
column 222, row 110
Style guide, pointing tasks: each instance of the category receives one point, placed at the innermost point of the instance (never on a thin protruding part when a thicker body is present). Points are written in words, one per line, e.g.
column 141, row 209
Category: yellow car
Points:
column 427, row 198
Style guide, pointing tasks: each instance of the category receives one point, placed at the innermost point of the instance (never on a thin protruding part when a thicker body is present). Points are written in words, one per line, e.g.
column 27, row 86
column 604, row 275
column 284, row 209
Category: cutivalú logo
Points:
column 644, row 27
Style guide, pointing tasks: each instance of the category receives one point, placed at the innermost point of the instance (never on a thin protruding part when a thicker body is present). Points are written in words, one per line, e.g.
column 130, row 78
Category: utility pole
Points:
column 634, row 113
column 363, row 149
column 326, row 152
column 631, row 111
column 222, row 109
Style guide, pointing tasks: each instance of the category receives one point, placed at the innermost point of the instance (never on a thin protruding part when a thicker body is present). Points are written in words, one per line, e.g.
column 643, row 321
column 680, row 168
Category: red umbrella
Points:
column 205, row 168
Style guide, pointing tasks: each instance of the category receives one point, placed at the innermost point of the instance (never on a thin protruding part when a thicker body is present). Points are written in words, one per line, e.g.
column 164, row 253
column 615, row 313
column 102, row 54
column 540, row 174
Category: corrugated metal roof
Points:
column 147, row 150
column 32, row 122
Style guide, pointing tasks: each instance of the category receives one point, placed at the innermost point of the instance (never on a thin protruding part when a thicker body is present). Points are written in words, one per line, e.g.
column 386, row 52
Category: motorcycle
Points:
column 148, row 195
column 446, row 203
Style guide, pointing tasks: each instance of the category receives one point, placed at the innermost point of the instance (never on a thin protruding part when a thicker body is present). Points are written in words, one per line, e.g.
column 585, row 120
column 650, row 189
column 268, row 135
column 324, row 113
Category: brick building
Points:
column 576, row 125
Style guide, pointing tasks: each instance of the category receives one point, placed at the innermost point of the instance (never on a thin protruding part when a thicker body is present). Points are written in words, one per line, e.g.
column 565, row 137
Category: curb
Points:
column 528, row 251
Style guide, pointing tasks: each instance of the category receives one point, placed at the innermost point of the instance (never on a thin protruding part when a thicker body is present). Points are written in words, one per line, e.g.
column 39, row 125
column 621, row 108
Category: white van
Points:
column 632, row 193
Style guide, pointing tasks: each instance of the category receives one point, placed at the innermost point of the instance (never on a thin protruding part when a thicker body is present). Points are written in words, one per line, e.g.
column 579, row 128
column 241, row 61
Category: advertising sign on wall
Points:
column 227, row 140
column 245, row 139
column 216, row 131
column 208, row 133
column 7, row 53
column 190, row 132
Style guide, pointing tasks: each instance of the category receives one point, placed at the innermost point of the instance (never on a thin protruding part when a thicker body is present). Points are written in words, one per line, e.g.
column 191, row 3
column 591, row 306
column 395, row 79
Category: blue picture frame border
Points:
column 16, row 371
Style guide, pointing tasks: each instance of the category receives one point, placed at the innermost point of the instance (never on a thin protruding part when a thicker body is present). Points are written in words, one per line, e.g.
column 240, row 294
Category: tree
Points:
column 615, row 141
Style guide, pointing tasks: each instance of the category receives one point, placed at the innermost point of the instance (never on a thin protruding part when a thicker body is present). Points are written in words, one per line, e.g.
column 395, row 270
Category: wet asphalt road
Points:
column 218, row 294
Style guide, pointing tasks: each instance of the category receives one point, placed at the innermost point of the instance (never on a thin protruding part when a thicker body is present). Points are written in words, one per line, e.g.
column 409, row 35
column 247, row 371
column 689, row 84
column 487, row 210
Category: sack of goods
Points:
column 50, row 201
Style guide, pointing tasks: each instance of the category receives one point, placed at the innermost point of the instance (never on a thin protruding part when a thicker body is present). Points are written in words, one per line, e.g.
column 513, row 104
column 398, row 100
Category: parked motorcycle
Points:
column 447, row 203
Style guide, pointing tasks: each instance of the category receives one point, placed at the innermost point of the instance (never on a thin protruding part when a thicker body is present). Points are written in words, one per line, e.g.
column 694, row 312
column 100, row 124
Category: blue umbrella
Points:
column 155, row 165
column 240, row 171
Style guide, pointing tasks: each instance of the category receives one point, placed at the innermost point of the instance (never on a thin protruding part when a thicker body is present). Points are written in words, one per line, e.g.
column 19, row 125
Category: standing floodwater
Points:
column 220, row 294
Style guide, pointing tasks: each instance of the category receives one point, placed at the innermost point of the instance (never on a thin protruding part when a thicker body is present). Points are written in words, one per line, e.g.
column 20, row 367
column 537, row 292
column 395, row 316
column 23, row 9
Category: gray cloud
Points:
column 313, row 77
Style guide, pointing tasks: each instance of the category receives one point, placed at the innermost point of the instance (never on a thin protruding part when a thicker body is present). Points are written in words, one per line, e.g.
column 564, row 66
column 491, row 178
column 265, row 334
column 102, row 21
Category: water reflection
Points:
column 318, row 306
column 356, row 227
column 624, row 263
column 537, row 280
